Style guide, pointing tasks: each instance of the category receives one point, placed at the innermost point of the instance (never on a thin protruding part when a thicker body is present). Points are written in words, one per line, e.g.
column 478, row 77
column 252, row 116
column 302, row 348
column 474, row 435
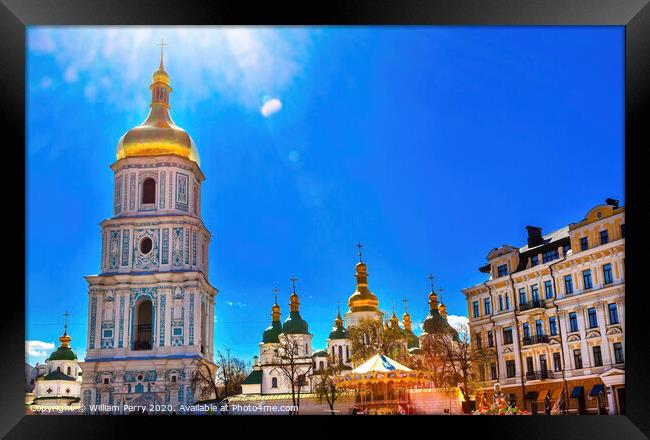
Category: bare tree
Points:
column 325, row 387
column 231, row 372
column 293, row 364
column 459, row 357
column 203, row 380
column 431, row 358
column 372, row 336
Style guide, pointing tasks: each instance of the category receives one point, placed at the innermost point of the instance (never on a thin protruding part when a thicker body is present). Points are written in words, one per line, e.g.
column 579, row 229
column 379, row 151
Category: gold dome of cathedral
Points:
column 363, row 299
column 158, row 135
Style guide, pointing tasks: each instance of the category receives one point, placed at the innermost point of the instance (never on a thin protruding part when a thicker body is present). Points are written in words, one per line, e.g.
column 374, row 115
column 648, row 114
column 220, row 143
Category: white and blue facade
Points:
column 151, row 307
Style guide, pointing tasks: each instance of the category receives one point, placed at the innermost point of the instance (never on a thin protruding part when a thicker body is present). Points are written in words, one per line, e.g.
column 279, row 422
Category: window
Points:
column 493, row 371
column 623, row 230
column 475, row 309
column 486, row 306
column 552, row 325
column 573, row 322
column 534, row 291
column 340, row 353
column 566, row 248
column 618, row 353
column 321, row 365
column 598, row 358
column 513, row 399
column 500, row 302
column 106, row 381
column 604, row 237
column 550, row 255
column 613, row 313
column 548, row 289
column 577, row 358
column 530, row 367
column 507, row 302
column 593, row 319
column 177, row 331
column 539, row 327
column 145, row 245
column 510, row 368
column 107, row 333
column 534, row 260
column 490, row 338
column 607, row 274
column 479, row 344
column 173, row 379
column 149, row 191
column 69, row 371
column 522, row 296
column 586, row 277
column 526, row 328
column 568, row 284
column 507, row 335
column 274, row 382
column 142, row 334
column 481, row 372
column 502, row 270
column 347, row 353
column 584, row 243
column 557, row 362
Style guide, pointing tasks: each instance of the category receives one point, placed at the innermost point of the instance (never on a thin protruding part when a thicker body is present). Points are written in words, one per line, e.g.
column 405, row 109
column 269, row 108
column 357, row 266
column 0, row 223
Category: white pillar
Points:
column 610, row 400
column 604, row 343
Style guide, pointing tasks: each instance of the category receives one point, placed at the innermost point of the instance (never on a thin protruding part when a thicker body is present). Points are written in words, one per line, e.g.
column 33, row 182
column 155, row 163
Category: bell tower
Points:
column 151, row 307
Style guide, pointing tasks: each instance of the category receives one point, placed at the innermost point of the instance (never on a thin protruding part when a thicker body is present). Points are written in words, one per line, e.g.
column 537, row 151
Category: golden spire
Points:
column 442, row 308
column 65, row 338
column 294, row 303
column 394, row 322
column 406, row 318
column 275, row 310
column 433, row 297
column 158, row 135
column 362, row 299
column 338, row 321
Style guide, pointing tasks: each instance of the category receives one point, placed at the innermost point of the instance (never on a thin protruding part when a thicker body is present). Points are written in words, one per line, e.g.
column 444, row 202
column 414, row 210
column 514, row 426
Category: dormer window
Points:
column 502, row 270
column 534, row 261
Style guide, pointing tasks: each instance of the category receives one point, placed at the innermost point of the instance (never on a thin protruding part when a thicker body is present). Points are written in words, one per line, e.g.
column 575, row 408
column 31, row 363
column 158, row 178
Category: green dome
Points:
column 412, row 340
column 63, row 354
column 295, row 325
column 319, row 353
column 435, row 323
column 338, row 332
column 272, row 332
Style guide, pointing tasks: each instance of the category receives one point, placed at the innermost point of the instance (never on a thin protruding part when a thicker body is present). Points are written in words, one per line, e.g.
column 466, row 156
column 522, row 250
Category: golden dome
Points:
column 294, row 302
column 158, row 134
column 442, row 309
column 65, row 339
column 363, row 299
column 275, row 310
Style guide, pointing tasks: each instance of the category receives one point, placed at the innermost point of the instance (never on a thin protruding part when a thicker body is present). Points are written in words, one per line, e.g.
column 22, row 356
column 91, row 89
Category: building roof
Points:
column 272, row 333
column 380, row 363
column 295, row 325
column 320, row 353
column 57, row 375
column 62, row 354
column 254, row 378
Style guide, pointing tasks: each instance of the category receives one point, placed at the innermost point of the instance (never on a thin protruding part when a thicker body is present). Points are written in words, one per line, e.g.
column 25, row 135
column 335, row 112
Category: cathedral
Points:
column 151, row 307
column 266, row 378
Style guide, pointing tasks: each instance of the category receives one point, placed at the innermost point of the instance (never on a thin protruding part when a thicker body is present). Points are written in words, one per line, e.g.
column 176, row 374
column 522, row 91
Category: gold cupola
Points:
column 362, row 299
column 158, row 135
column 394, row 322
column 275, row 311
column 406, row 319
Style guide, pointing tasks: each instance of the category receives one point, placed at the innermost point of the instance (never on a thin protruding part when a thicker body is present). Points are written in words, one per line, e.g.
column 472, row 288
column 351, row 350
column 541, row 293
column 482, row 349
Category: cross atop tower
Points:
column 65, row 321
column 440, row 290
column 162, row 45
column 431, row 278
column 275, row 291
column 293, row 280
column 360, row 246
column 406, row 304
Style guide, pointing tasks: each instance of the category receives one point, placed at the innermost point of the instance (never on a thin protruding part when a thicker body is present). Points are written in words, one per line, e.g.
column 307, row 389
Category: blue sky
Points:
column 431, row 145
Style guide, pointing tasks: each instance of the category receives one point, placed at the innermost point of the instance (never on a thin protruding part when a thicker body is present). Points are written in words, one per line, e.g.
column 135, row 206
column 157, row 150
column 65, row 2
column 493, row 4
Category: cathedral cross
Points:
column 65, row 320
column 431, row 278
column 293, row 282
column 359, row 245
column 162, row 45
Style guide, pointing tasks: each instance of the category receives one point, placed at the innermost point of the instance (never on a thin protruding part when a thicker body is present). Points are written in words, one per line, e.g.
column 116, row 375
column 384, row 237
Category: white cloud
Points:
column 233, row 63
column 457, row 322
column 236, row 304
column 38, row 349
column 270, row 107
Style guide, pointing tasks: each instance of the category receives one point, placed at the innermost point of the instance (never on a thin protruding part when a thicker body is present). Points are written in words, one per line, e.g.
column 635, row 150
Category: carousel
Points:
column 382, row 386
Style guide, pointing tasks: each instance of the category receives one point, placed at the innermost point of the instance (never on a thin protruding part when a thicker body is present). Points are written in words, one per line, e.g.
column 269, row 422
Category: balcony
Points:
column 539, row 375
column 536, row 339
column 537, row 304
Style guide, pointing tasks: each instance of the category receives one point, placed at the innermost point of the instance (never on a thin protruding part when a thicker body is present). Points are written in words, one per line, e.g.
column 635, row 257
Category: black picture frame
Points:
column 634, row 15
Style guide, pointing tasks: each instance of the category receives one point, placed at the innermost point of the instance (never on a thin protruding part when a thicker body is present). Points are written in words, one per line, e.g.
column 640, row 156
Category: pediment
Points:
column 573, row 338
column 614, row 331
column 593, row 334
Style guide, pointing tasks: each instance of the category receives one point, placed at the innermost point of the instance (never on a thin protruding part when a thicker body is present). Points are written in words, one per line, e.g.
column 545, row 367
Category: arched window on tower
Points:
column 274, row 382
column 143, row 318
column 69, row 371
column 340, row 353
column 149, row 191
